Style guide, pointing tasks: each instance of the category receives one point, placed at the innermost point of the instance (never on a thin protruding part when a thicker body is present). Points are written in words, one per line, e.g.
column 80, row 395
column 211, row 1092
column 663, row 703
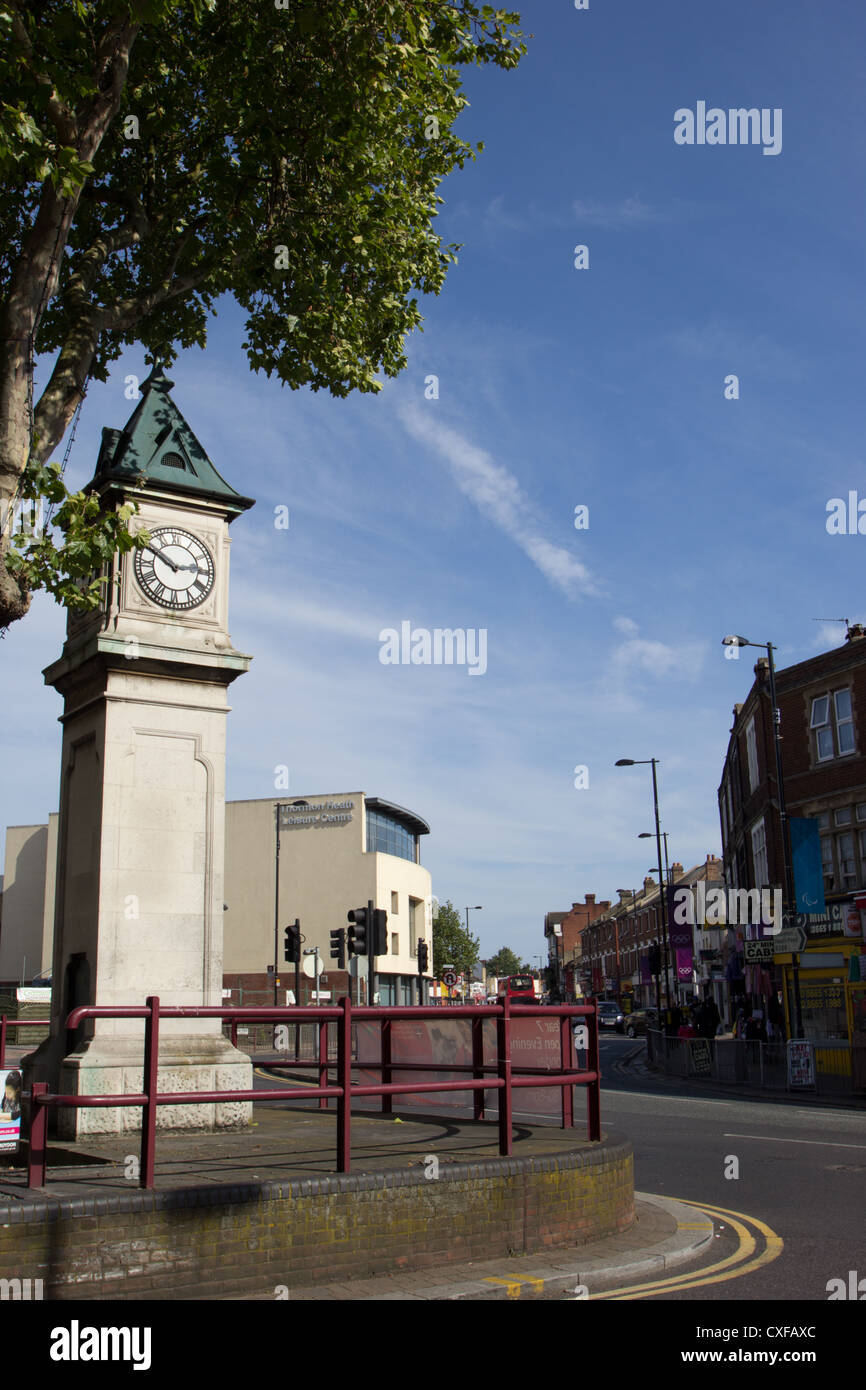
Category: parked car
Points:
column 639, row 1021
column 610, row 1015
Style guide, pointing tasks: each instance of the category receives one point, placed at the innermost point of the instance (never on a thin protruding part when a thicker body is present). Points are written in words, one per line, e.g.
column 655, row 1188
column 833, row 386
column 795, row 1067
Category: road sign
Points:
column 449, row 978
column 788, row 939
column 759, row 952
column 801, row 1064
column 309, row 965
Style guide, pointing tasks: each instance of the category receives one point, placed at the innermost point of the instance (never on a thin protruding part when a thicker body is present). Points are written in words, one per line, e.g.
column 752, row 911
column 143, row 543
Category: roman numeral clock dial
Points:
column 176, row 570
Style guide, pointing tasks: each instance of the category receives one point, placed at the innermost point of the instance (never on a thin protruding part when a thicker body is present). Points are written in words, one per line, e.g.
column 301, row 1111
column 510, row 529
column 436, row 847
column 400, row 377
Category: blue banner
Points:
column 808, row 869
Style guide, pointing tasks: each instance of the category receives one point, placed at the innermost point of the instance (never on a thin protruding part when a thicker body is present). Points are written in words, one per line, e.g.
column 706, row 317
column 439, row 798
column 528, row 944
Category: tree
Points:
column 504, row 963
column 452, row 943
column 158, row 154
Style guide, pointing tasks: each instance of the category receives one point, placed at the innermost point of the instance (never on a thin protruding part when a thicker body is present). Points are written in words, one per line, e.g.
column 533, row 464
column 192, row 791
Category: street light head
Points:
column 624, row 762
column 645, row 835
column 733, row 641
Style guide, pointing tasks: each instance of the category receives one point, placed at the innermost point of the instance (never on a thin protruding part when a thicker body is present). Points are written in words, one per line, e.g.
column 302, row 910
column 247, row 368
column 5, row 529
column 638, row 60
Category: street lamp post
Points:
column 648, row 835
column 787, row 880
column 476, row 908
column 633, row 762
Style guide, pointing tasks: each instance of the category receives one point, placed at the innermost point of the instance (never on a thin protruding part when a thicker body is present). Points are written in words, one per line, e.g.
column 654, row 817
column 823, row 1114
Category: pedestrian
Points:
column 710, row 1018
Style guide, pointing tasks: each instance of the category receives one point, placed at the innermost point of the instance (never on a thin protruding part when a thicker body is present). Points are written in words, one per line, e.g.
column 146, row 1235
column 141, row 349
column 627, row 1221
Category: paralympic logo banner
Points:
column 808, row 868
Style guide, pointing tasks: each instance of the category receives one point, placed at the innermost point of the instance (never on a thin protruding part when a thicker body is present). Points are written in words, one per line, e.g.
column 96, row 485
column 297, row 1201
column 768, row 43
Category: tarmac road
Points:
column 800, row 1170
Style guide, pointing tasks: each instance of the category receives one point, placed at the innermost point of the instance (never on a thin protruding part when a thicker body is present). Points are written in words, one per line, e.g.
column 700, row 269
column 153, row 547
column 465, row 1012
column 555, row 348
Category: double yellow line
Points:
column 743, row 1261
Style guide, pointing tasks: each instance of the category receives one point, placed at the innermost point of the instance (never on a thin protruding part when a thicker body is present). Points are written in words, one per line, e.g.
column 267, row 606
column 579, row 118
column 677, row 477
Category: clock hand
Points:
column 160, row 556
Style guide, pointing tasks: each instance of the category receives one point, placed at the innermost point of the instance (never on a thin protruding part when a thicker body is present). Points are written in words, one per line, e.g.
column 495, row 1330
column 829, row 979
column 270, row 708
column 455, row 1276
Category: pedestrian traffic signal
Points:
column 292, row 947
column 380, row 932
column 338, row 947
column 423, row 957
column 356, row 940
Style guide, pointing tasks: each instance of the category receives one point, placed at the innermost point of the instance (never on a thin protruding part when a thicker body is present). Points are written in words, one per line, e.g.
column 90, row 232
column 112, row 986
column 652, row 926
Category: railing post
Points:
column 234, row 1027
column 593, row 1090
column 38, row 1124
column 149, row 1077
column 323, row 1060
column 2, row 1040
column 503, row 1068
column 478, row 1065
column 344, row 1079
column 385, row 1052
column 566, row 1041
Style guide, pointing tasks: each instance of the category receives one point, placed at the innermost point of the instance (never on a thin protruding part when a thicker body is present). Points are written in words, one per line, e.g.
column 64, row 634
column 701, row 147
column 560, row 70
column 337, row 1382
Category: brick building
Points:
column 563, row 932
column 616, row 945
column 822, row 709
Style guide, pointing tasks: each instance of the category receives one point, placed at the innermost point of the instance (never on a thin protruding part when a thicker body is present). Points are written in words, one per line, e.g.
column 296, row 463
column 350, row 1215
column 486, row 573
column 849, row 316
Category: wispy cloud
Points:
column 498, row 495
column 656, row 658
column 628, row 212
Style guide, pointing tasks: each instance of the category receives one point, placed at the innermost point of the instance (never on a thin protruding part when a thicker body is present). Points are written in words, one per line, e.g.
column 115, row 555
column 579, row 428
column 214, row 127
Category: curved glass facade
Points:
column 385, row 835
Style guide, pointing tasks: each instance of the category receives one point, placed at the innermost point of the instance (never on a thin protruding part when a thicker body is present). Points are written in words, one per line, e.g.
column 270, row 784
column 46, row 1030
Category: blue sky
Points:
column 557, row 387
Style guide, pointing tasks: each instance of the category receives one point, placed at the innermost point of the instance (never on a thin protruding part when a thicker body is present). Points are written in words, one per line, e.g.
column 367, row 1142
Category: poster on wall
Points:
column 801, row 1064
column 10, row 1113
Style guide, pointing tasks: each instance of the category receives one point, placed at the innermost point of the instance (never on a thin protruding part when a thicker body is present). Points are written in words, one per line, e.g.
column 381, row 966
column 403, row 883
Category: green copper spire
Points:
column 157, row 446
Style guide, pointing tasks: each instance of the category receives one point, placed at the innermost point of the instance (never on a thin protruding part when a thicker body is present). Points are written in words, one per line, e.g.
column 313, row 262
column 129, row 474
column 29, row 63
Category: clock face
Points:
column 176, row 569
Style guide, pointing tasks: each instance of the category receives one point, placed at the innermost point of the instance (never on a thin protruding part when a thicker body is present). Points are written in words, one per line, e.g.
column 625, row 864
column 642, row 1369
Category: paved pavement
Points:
column 634, row 1064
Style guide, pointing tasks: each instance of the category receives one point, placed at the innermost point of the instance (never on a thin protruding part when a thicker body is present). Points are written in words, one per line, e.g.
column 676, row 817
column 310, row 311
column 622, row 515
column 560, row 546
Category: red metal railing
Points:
column 17, row 1023
column 500, row 1076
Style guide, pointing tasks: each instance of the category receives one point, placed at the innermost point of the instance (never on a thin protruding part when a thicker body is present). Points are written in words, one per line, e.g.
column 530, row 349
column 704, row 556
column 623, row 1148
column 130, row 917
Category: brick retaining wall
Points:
column 196, row 1242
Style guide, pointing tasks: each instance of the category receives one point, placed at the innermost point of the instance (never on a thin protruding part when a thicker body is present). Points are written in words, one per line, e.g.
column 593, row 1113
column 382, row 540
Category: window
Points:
column 843, row 855
column 395, row 905
column 844, row 721
column 416, row 920
column 395, row 944
column 752, row 754
column 861, row 810
column 833, row 742
column 386, row 835
column 828, row 861
column 847, row 862
column 759, row 855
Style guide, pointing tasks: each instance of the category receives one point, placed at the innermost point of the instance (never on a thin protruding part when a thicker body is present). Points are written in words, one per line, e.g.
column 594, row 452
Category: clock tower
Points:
column 139, row 878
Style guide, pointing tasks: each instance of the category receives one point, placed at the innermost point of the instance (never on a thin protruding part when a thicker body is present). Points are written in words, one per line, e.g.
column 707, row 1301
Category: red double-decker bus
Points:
column 519, row 988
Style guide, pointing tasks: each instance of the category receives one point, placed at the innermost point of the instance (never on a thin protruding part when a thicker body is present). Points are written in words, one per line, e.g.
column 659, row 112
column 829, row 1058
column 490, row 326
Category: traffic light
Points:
column 423, row 957
column 338, row 947
column 357, row 935
column 380, row 932
column 292, row 947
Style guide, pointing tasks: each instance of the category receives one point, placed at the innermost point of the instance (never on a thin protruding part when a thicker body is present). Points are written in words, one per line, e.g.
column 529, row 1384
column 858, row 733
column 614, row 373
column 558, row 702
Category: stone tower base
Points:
column 114, row 1066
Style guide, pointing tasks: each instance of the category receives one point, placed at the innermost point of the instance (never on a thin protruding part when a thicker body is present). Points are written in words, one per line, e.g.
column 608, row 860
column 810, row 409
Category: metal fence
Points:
column 39, row 1024
column 500, row 1076
column 741, row 1062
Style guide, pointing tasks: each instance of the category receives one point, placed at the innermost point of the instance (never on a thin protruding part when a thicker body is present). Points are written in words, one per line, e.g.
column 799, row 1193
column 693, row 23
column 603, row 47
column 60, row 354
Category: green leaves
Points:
column 301, row 126
column 67, row 565
column 452, row 944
